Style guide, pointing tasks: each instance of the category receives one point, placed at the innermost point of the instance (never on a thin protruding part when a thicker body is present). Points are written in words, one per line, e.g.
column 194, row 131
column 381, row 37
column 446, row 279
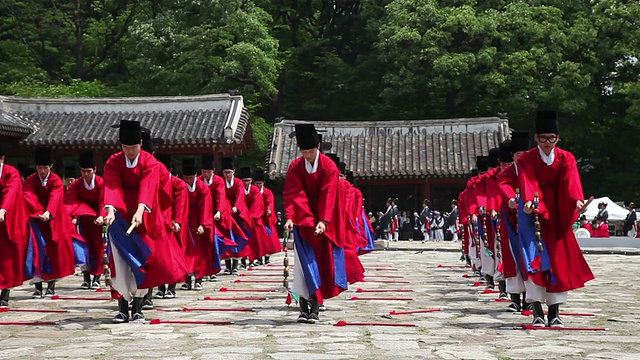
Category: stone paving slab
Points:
column 471, row 325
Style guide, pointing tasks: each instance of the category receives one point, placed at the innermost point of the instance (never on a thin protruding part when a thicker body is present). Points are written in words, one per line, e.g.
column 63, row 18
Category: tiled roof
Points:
column 397, row 149
column 13, row 125
column 197, row 120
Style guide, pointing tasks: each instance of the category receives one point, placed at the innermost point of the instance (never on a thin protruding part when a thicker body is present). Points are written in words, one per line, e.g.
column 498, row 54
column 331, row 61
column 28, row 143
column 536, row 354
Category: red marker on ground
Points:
column 355, row 298
column 189, row 322
column 33, row 310
column 344, row 323
column 393, row 312
column 224, row 289
column 382, row 290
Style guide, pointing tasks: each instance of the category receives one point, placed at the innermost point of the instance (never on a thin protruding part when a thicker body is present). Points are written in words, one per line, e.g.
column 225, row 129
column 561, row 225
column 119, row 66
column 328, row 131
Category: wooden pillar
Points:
column 426, row 190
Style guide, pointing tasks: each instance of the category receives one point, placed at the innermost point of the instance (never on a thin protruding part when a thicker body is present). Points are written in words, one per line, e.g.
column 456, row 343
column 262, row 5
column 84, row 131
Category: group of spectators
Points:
column 425, row 224
column 599, row 226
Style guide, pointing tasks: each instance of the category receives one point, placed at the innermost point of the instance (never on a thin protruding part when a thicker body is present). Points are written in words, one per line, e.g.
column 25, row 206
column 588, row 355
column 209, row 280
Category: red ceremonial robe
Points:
column 200, row 248
column 309, row 198
column 487, row 194
column 273, row 244
column 559, row 188
column 14, row 231
column 508, row 183
column 147, row 183
column 601, row 231
column 226, row 225
column 463, row 215
column 235, row 196
column 85, row 206
column 255, row 204
column 55, row 260
column 180, row 209
column 355, row 270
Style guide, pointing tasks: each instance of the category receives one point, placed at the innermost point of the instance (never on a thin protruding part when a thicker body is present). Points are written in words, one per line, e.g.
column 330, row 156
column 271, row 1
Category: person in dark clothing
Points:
column 630, row 221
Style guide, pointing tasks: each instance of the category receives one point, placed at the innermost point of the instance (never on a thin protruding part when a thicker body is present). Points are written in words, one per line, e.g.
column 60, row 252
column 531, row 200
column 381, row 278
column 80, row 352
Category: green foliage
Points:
column 77, row 88
column 352, row 60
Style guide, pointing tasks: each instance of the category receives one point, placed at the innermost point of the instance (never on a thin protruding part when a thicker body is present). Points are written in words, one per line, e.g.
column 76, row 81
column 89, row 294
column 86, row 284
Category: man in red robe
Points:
column 355, row 270
column 178, row 213
column 224, row 224
column 512, row 262
column 272, row 245
column 201, row 252
column 14, row 232
column 255, row 203
column 50, row 251
column 600, row 228
column 555, row 264
column 84, row 201
column 367, row 239
column 311, row 200
column 137, row 198
column 485, row 208
column 235, row 193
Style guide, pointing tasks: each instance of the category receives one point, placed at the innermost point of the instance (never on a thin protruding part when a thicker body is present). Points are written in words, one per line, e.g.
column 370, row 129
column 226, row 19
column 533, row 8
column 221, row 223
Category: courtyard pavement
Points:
column 470, row 325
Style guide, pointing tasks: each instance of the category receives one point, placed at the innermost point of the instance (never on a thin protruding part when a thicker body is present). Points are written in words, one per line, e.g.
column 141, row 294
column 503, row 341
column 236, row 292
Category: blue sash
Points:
column 534, row 260
column 132, row 248
column 36, row 239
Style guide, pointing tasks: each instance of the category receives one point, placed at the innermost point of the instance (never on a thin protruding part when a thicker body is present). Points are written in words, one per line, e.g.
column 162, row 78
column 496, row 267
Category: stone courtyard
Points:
column 470, row 325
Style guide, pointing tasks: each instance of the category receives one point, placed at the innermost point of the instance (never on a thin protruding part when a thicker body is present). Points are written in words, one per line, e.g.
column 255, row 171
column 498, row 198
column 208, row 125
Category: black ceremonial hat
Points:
column 258, row 175
column 189, row 166
column 130, row 132
column 43, row 156
column 350, row 177
column 245, row 172
column 70, row 172
column 547, row 122
column 520, row 141
column 494, row 154
column 482, row 163
column 342, row 167
column 86, row 160
column 306, row 136
column 207, row 162
column 506, row 155
column 226, row 164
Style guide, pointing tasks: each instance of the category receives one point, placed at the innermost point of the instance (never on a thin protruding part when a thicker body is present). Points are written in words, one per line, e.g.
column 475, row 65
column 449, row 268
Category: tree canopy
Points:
column 353, row 60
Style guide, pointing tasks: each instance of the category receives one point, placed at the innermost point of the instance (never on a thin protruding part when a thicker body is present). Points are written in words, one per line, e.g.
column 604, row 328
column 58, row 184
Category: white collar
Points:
column 547, row 159
column 1, row 167
column 515, row 164
column 208, row 182
column 312, row 168
column 90, row 186
column 192, row 188
column 261, row 189
column 44, row 181
column 230, row 184
column 247, row 190
column 132, row 164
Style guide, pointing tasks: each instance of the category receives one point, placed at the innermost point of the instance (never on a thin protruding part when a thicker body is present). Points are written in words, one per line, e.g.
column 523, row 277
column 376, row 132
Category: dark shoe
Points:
column 185, row 286
column 50, row 293
column 213, row 278
column 538, row 314
column 197, row 287
column 537, row 322
column 556, row 322
column 303, row 318
column 235, row 272
column 503, row 296
column 322, row 307
column 313, row 319
column 37, row 294
column 85, row 286
column 514, row 307
column 527, row 306
column 121, row 318
column 169, row 295
column 159, row 295
column 4, row 304
column 95, row 285
column 147, row 305
column 227, row 272
column 137, row 317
